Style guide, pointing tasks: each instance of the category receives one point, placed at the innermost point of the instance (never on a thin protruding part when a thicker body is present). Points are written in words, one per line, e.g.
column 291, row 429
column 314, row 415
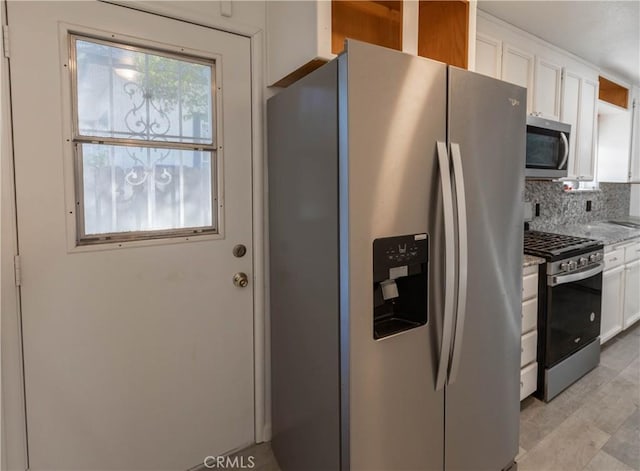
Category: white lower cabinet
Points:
column 528, row 348
column 529, row 340
column 631, row 293
column 612, row 289
column 528, row 380
column 620, row 289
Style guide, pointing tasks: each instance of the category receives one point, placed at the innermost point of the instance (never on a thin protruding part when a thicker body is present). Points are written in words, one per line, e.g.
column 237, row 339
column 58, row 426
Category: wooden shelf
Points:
column 376, row 22
column 443, row 30
column 613, row 93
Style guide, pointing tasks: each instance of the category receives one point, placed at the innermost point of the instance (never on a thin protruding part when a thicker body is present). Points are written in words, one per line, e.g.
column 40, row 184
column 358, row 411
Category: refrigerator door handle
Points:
column 463, row 261
column 450, row 275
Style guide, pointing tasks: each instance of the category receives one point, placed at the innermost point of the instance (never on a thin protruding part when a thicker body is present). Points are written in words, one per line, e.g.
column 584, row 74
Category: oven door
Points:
column 573, row 312
column 547, row 148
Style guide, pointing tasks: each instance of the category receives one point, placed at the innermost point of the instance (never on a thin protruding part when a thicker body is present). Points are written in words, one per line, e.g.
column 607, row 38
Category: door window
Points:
column 144, row 142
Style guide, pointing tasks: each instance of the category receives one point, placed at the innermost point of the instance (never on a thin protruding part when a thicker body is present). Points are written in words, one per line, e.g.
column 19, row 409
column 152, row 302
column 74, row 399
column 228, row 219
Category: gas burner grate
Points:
column 546, row 244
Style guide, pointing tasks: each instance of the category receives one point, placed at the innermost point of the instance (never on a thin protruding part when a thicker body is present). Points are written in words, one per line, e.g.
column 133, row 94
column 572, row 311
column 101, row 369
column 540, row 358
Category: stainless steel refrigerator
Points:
column 395, row 189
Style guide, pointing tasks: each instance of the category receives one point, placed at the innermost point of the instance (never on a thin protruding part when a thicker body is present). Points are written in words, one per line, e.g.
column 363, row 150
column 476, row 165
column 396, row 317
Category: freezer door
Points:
column 392, row 112
column 487, row 134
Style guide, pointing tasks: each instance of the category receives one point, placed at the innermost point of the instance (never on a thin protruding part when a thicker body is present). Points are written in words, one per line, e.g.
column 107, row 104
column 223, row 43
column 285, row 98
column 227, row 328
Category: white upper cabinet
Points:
column 517, row 68
column 619, row 141
column 546, row 96
column 634, row 165
column 585, row 151
column 488, row 56
column 579, row 97
column 614, row 139
column 569, row 114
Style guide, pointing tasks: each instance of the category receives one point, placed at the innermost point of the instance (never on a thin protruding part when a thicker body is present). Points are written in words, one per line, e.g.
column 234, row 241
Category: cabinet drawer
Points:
column 614, row 258
column 529, row 286
column 529, row 348
column 528, row 380
column 529, row 315
column 632, row 252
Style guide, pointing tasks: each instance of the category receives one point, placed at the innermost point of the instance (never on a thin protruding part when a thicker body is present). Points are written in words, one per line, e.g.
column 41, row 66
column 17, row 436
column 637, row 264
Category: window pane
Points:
column 144, row 189
column 140, row 95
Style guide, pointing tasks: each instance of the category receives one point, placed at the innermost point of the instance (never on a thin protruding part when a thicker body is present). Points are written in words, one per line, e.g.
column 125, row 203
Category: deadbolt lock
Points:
column 240, row 280
column 239, row 251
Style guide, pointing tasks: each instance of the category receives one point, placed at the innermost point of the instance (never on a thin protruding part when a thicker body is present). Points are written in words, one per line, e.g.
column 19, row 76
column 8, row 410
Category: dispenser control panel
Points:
column 400, row 284
column 399, row 251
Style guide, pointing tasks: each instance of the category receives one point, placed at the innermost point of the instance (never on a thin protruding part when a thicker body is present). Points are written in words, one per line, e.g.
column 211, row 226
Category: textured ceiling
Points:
column 605, row 33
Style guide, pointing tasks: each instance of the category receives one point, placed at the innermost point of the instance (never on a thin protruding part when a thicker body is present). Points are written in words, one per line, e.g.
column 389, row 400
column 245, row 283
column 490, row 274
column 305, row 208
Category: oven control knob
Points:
column 564, row 266
column 598, row 256
column 572, row 265
column 582, row 262
column 593, row 257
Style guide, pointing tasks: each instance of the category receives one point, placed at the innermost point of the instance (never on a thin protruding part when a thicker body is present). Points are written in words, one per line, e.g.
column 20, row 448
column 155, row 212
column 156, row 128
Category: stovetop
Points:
column 550, row 246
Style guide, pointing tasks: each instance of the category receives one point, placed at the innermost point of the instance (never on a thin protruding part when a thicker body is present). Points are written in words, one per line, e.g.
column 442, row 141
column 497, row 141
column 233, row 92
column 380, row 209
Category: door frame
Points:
column 13, row 377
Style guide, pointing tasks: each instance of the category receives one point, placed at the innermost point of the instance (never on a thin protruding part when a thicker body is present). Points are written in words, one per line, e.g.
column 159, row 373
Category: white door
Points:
column 138, row 347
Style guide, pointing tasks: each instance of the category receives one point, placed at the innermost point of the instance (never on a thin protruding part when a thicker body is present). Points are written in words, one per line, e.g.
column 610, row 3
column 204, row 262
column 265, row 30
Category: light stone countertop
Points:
column 603, row 231
column 530, row 260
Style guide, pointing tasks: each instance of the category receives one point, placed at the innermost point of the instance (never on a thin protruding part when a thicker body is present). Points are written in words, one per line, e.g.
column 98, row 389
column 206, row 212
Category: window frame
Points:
column 76, row 140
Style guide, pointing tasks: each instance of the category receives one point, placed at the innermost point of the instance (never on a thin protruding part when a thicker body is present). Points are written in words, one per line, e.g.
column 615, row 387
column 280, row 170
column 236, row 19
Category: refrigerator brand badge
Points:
column 514, row 102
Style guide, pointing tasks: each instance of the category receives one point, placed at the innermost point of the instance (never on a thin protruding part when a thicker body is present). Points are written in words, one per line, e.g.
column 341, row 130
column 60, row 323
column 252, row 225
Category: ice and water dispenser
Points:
column 400, row 281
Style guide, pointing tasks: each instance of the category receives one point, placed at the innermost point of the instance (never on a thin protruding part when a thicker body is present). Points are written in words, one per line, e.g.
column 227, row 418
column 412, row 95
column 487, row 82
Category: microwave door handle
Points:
column 463, row 261
column 565, row 142
column 450, row 274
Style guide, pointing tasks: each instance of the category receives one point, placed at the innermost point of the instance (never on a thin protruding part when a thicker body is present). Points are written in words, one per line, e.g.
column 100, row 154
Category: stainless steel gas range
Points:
column 569, row 308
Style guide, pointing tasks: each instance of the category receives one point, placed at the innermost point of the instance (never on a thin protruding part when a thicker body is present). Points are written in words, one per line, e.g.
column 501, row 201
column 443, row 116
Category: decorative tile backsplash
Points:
column 558, row 207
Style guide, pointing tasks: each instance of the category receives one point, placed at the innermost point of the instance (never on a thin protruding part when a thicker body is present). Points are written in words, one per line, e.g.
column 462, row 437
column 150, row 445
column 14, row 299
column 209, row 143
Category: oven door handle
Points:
column 555, row 280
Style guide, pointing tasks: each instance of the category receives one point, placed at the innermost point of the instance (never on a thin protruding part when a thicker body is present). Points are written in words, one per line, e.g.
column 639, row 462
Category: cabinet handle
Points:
column 615, row 259
column 521, row 385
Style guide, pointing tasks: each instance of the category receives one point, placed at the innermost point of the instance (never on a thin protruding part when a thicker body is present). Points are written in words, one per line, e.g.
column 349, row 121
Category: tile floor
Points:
column 595, row 424
column 592, row 426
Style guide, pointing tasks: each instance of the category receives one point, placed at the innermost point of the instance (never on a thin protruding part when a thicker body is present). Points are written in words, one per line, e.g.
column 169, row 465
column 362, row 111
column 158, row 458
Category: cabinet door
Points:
column 585, row 152
column 488, row 55
column 634, row 165
column 517, row 68
column 631, row 293
column 612, row 299
column 546, row 97
column 614, row 131
column 569, row 114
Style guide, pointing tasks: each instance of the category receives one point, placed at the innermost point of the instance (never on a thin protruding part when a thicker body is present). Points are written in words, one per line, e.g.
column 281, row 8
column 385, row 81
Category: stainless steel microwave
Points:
column 547, row 148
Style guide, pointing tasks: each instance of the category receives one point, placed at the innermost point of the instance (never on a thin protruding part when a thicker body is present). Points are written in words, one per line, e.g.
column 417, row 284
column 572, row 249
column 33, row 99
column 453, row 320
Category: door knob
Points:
column 240, row 280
